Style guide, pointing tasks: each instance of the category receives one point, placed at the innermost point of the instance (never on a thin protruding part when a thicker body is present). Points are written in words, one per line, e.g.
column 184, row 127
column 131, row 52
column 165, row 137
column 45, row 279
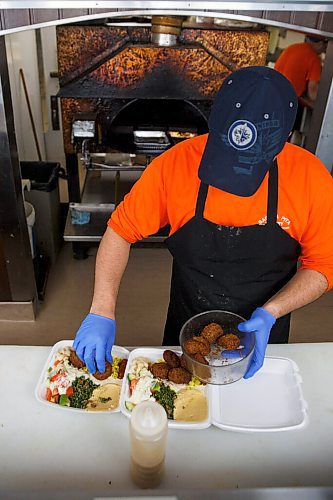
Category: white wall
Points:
column 290, row 38
column 22, row 53
column 53, row 138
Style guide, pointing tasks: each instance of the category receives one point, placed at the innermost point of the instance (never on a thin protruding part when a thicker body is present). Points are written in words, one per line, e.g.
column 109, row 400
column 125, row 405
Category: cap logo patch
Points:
column 242, row 134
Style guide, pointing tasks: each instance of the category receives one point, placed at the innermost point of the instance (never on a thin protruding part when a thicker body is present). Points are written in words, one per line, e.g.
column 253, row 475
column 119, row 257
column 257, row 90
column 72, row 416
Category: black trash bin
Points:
column 44, row 196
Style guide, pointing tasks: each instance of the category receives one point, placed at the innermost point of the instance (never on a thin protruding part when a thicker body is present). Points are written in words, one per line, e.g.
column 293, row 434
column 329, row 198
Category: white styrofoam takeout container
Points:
column 153, row 355
column 270, row 401
column 40, row 390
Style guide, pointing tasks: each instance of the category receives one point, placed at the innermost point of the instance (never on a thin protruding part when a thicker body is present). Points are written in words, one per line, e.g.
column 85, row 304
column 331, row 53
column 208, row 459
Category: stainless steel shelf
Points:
column 94, row 230
column 99, row 189
column 100, row 186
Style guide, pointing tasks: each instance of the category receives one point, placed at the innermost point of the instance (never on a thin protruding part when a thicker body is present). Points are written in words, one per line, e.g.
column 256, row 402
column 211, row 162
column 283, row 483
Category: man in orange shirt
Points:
column 243, row 207
column 301, row 64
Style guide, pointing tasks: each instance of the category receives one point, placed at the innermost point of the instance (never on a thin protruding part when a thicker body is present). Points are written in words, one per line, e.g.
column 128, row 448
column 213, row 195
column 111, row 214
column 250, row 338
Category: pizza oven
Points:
column 128, row 93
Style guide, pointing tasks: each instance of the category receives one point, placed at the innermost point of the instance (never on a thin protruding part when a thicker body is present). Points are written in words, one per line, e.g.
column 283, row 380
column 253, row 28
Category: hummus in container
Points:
column 190, row 406
column 104, row 397
column 182, row 402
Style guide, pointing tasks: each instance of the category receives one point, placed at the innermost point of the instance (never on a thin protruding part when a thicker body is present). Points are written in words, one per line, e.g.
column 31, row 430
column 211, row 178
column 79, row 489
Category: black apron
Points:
column 234, row 269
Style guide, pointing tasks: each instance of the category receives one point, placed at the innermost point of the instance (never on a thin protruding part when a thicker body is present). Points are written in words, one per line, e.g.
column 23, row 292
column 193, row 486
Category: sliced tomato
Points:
column 48, row 394
column 56, row 376
column 69, row 391
column 133, row 384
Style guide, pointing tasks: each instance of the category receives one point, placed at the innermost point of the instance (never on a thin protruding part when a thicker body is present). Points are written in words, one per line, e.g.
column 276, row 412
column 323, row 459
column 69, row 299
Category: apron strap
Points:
column 201, row 199
column 272, row 199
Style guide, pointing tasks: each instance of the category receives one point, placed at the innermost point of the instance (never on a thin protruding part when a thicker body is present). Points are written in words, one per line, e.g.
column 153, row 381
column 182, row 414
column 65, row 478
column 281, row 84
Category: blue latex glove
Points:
column 260, row 324
column 94, row 340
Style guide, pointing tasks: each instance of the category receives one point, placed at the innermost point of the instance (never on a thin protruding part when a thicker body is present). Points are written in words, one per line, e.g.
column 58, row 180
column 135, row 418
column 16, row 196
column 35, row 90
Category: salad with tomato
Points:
column 144, row 386
column 74, row 387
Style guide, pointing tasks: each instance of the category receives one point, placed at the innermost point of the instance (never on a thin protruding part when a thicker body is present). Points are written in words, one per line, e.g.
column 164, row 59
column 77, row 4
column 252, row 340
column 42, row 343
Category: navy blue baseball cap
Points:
column 250, row 121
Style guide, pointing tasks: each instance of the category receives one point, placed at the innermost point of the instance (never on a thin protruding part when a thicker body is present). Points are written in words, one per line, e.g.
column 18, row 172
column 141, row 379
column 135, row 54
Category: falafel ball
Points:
column 203, row 341
column 122, row 368
column 183, row 362
column 160, row 370
column 211, row 332
column 229, row 341
column 105, row 374
column 199, row 357
column 75, row 360
column 192, row 346
column 179, row 376
column 171, row 358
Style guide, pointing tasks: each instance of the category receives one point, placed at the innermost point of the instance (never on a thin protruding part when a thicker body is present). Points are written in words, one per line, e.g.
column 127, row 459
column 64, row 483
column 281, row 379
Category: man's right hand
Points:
column 94, row 341
column 260, row 323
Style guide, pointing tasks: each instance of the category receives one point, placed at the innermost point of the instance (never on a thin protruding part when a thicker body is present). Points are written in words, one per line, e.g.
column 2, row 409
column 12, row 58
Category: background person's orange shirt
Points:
column 166, row 193
column 300, row 64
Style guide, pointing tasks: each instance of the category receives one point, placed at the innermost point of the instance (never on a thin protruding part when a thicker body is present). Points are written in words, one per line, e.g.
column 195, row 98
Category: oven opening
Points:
column 153, row 125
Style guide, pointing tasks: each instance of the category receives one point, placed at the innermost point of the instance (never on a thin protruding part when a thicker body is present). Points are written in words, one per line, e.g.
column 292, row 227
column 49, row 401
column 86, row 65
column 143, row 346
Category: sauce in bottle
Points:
column 148, row 431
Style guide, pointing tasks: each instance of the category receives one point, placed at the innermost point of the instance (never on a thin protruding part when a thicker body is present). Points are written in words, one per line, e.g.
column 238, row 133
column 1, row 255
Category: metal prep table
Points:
column 106, row 183
column 51, row 452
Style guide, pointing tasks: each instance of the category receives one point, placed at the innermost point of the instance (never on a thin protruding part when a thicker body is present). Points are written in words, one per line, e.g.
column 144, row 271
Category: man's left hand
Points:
column 260, row 323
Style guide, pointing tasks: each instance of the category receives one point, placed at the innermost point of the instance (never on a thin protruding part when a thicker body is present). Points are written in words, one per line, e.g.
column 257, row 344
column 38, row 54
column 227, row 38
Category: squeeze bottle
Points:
column 148, row 432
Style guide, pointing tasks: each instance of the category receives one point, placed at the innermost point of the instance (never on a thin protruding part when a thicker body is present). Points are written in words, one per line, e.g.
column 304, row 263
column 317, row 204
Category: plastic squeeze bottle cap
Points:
column 148, row 429
column 149, row 420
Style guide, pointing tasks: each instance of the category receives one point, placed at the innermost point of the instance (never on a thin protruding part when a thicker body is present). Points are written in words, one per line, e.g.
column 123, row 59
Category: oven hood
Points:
column 299, row 5
column 124, row 63
column 122, row 68
column 308, row 16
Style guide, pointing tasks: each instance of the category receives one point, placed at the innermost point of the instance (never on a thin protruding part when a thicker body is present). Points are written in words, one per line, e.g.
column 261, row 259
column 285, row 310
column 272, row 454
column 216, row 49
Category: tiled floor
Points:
column 142, row 303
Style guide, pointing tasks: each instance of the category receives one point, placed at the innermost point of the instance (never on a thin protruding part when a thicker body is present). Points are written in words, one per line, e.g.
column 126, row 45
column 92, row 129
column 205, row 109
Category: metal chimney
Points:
column 166, row 30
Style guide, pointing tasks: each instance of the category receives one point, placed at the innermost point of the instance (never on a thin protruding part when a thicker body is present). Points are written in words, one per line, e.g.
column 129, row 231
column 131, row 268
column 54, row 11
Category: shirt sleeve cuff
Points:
column 117, row 229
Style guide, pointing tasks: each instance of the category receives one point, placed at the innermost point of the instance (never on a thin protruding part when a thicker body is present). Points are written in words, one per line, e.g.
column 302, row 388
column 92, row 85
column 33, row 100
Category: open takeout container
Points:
column 154, row 355
column 270, row 401
column 40, row 390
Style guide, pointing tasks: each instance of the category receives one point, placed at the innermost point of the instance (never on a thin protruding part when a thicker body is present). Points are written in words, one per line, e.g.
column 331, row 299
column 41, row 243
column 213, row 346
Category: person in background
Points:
column 243, row 207
column 301, row 64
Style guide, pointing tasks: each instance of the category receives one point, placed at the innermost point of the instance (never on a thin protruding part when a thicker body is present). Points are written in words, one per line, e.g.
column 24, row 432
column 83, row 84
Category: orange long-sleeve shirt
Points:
column 300, row 64
column 166, row 193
